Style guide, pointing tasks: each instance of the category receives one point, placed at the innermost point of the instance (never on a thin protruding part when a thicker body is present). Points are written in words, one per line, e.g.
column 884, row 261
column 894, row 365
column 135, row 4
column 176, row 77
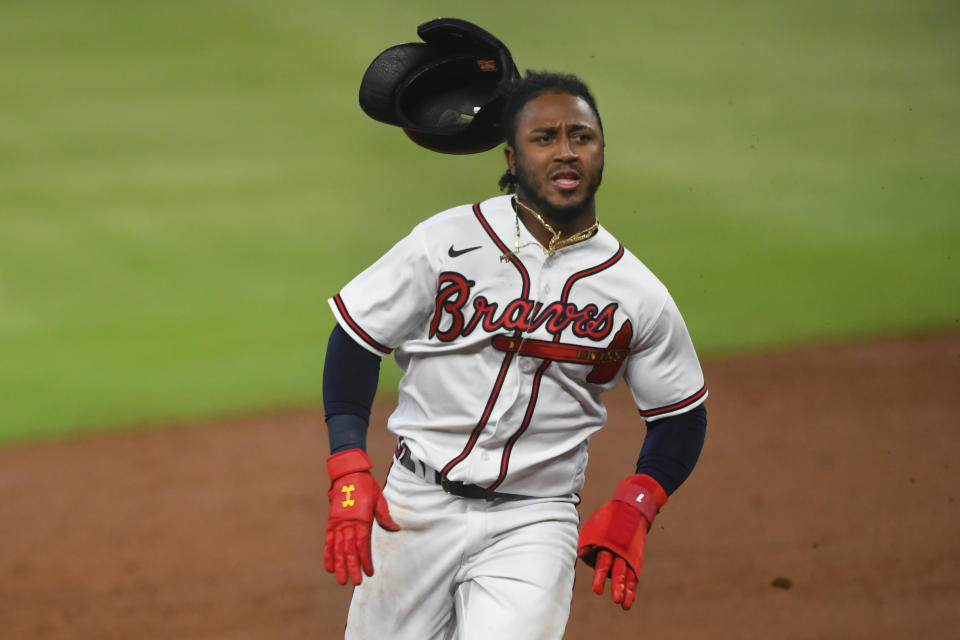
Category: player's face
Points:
column 557, row 155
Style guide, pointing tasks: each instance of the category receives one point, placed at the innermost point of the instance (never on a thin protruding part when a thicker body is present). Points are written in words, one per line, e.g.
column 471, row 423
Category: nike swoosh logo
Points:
column 453, row 253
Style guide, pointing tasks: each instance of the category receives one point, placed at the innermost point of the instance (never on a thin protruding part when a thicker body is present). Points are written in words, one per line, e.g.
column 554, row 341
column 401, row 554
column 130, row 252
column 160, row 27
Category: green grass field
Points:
column 182, row 185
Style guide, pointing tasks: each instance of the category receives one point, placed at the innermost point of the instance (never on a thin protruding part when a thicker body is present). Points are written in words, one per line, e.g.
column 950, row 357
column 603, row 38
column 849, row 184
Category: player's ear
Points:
column 511, row 157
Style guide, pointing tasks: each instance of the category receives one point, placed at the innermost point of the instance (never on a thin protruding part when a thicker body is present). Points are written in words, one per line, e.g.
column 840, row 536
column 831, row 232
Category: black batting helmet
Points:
column 445, row 92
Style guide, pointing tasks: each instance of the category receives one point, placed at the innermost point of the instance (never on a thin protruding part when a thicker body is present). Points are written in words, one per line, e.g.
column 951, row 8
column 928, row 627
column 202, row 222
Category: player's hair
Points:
column 532, row 85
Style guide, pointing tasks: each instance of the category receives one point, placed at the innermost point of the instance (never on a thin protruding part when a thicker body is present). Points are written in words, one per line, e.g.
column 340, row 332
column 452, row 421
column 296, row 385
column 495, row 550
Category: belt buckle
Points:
column 458, row 488
column 451, row 486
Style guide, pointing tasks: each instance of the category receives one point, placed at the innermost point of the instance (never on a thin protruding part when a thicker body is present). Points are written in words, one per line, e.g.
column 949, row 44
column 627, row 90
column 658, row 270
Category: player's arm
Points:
column 613, row 538
column 672, row 447
column 350, row 377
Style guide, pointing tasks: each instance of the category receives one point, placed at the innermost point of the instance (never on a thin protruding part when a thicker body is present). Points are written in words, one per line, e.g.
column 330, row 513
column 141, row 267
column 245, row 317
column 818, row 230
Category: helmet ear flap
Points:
column 445, row 93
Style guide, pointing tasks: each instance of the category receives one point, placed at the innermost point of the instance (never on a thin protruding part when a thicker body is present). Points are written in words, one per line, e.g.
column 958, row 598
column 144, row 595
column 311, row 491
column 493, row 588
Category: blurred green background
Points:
column 183, row 184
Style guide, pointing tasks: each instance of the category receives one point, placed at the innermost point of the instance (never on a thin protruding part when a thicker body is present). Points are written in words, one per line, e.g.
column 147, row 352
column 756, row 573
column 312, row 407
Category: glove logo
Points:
column 640, row 497
column 348, row 489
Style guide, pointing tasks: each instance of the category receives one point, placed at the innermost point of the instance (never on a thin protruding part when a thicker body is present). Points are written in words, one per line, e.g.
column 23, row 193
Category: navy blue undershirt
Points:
column 672, row 446
column 351, row 373
column 350, row 377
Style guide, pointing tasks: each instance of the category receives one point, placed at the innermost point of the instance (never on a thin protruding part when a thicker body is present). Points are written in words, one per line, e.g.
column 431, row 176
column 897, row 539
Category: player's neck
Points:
column 544, row 227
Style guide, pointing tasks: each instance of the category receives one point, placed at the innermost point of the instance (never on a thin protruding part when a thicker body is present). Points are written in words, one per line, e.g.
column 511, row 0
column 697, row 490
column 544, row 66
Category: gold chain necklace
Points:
column 555, row 241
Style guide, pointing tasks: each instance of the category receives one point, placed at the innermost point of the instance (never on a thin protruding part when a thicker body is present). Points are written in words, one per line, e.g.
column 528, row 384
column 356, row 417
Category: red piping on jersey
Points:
column 534, row 393
column 625, row 332
column 356, row 327
column 589, row 272
column 674, row 407
column 500, row 245
column 498, row 385
column 483, row 419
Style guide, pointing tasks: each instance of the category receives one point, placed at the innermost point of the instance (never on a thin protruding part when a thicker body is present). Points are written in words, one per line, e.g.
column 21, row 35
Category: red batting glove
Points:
column 612, row 539
column 355, row 500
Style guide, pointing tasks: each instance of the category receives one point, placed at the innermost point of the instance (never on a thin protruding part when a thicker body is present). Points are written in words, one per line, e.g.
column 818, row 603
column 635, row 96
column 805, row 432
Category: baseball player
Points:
column 509, row 319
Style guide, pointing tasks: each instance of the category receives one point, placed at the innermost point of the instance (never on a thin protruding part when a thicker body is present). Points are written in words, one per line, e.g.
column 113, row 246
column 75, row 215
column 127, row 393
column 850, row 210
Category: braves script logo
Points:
column 453, row 292
column 460, row 319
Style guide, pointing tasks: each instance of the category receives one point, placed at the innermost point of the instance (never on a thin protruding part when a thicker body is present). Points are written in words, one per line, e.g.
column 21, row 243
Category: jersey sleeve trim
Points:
column 357, row 330
column 677, row 407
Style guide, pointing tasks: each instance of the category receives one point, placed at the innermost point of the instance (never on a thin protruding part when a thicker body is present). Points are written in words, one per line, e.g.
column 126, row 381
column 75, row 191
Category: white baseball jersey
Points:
column 505, row 360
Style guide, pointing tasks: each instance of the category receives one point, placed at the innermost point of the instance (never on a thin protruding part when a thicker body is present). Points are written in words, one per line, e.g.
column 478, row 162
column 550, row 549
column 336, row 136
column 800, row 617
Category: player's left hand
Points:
column 612, row 539
column 355, row 502
column 623, row 580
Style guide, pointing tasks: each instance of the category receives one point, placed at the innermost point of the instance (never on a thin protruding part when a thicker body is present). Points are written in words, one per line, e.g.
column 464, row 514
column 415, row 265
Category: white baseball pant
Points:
column 466, row 568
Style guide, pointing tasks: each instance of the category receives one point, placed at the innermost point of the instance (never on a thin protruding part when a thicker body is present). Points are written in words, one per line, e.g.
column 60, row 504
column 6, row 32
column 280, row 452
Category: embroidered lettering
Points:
column 453, row 317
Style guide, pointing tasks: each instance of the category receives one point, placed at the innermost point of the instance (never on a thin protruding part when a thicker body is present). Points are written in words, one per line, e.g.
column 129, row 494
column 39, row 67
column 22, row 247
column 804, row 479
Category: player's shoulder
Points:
column 632, row 266
column 497, row 206
column 463, row 219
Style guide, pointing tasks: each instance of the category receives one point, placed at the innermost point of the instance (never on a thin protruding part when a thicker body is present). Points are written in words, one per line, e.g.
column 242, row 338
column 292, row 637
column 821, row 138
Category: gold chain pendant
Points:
column 555, row 241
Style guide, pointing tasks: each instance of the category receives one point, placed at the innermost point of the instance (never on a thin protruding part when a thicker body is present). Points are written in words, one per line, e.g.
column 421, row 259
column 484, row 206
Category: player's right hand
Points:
column 355, row 501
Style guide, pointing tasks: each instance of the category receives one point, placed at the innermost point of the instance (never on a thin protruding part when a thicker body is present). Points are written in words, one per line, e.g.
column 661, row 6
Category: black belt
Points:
column 453, row 487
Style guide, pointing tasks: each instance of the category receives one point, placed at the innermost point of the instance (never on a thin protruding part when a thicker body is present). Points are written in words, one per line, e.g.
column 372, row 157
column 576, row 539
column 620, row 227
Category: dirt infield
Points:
column 826, row 505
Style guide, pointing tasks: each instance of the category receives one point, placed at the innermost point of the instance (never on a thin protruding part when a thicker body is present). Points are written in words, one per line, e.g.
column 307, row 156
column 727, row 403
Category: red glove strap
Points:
column 643, row 493
column 349, row 461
